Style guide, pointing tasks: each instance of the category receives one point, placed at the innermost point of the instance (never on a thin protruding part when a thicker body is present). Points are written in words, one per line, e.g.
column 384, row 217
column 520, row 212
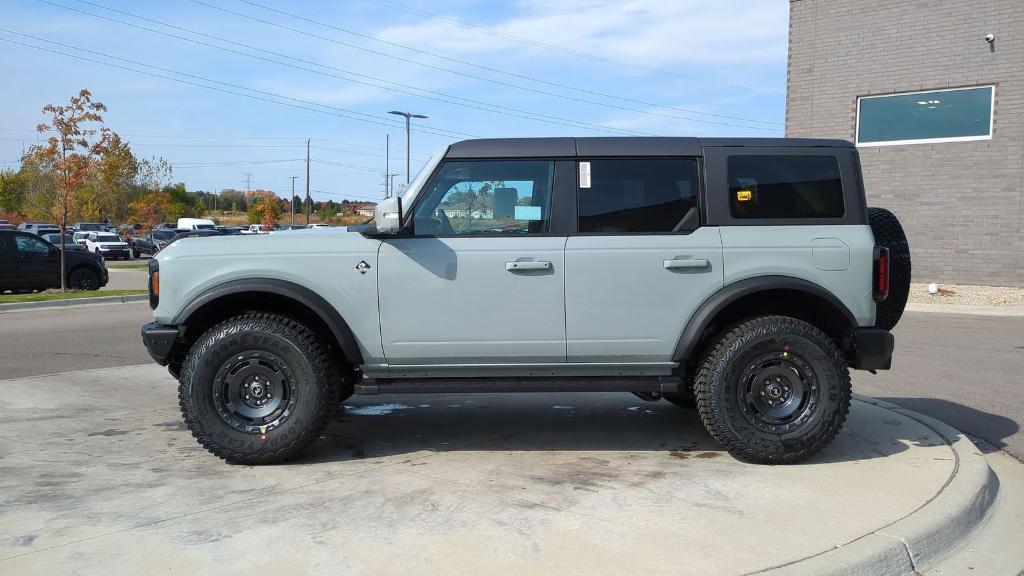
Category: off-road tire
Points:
column 83, row 279
column 720, row 384
column 889, row 233
column 307, row 367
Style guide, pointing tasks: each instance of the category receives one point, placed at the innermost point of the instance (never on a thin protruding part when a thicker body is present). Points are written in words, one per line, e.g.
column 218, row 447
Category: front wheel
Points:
column 84, row 279
column 773, row 390
column 258, row 388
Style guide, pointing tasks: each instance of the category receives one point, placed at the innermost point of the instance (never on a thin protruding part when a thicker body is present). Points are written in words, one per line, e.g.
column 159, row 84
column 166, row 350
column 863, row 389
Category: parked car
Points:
column 108, row 245
column 89, row 227
column 69, row 241
column 317, row 226
column 44, row 230
column 741, row 277
column 256, row 229
column 28, row 262
column 196, row 224
column 8, row 227
column 33, row 226
column 229, row 230
column 151, row 242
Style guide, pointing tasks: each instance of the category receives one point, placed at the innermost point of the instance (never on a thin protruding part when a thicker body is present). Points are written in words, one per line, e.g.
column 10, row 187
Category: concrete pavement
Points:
column 126, row 279
column 100, row 477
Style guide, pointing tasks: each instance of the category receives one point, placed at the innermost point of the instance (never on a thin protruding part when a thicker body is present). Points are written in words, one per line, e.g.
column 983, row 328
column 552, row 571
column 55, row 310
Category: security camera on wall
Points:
column 990, row 38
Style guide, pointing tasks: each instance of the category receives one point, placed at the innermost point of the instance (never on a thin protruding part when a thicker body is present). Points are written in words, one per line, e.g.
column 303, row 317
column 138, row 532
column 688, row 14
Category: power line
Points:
column 554, row 47
column 311, row 106
column 482, row 78
column 404, row 88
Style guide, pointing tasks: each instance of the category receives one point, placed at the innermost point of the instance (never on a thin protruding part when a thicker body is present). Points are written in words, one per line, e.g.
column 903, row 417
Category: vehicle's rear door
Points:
column 478, row 278
column 7, row 257
column 640, row 262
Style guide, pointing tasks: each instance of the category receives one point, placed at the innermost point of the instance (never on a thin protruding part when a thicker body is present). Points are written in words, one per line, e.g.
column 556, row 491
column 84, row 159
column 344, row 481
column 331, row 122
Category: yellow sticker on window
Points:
column 744, row 195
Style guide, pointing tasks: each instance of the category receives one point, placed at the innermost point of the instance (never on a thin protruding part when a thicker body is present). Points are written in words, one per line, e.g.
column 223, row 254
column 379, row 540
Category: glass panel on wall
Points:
column 932, row 116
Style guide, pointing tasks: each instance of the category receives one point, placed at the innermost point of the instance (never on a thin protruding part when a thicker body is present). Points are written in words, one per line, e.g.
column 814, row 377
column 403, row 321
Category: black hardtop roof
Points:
column 619, row 146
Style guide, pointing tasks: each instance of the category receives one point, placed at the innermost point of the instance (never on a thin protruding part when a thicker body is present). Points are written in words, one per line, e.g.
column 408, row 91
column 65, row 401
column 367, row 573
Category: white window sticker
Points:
column 584, row 174
column 528, row 213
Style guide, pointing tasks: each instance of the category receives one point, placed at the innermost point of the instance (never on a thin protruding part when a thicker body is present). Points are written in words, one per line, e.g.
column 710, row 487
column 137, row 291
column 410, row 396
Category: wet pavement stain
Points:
column 108, row 432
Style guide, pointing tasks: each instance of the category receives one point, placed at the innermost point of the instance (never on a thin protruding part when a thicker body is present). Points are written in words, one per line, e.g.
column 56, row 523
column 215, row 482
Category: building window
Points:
column 785, row 187
column 932, row 116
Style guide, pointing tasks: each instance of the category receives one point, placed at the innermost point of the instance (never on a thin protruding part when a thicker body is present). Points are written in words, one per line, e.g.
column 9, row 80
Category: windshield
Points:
column 106, row 238
column 55, row 238
column 423, row 174
column 90, row 227
column 163, row 234
column 205, row 227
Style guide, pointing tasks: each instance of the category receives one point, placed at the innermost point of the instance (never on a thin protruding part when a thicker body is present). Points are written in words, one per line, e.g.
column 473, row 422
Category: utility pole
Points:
column 391, row 178
column 309, row 203
column 291, row 200
column 387, row 160
column 248, row 185
column 408, row 116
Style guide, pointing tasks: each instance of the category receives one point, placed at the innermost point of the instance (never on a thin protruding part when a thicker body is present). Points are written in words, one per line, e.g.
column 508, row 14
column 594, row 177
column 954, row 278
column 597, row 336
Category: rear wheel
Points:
column 258, row 388
column 889, row 233
column 773, row 390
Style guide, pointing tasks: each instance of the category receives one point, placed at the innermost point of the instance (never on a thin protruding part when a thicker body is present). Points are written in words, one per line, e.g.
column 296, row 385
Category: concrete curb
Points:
column 1012, row 311
column 916, row 542
column 72, row 302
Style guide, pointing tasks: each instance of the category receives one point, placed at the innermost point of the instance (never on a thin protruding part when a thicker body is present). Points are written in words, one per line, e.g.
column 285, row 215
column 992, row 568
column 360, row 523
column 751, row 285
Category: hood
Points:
column 255, row 246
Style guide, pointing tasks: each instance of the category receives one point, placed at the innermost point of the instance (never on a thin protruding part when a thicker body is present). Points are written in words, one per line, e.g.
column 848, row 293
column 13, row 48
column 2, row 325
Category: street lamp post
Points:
column 408, row 116
column 291, row 201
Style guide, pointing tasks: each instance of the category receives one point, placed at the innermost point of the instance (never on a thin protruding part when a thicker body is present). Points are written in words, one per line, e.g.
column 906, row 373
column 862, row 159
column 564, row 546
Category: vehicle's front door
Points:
column 37, row 265
column 641, row 263
column 477, row 278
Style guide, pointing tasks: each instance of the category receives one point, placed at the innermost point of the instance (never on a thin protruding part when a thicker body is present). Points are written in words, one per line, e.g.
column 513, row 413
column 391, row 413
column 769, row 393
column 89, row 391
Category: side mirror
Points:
column 388, row 215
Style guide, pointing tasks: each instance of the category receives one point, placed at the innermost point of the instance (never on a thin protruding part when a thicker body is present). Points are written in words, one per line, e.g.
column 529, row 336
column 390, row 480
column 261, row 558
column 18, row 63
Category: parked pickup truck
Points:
column 740, row 277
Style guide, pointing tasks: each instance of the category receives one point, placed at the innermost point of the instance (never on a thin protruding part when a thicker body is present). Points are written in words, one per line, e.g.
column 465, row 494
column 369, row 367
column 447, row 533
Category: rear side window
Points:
column 624, row 196
column 785, row 187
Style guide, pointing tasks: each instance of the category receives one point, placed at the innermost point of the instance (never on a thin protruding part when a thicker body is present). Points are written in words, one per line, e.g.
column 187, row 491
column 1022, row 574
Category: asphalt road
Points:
column 126, row 279
column 964, row 370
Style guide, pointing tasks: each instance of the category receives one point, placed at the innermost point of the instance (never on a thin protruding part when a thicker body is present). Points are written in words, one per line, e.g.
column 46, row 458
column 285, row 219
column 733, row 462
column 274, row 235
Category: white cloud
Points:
column 655, row 33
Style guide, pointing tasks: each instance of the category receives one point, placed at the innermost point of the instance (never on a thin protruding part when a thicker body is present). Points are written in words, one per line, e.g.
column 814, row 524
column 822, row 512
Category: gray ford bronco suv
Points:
column 739, row 277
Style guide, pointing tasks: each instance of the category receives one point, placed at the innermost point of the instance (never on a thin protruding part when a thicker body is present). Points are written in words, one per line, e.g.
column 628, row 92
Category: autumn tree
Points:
column 71, row 156
column 265, row 208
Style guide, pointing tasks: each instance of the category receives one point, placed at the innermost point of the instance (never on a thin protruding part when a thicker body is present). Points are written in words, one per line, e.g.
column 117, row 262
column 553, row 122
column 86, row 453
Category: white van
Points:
column 196, row 224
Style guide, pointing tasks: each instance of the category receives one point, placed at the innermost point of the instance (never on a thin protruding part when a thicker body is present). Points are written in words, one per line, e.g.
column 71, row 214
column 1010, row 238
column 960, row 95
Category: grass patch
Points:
column 70, row 295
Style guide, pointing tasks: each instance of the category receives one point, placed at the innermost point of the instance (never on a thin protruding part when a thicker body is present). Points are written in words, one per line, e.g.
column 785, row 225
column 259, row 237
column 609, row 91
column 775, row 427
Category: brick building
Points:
column 936, row 107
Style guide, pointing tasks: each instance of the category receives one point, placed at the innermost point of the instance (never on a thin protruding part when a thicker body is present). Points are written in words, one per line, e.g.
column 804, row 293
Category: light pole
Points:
column 408, row 116
column 291, row 201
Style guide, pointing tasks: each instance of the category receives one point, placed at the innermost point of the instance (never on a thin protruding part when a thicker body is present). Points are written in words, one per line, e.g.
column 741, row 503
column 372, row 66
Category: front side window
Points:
column 487, row 197
column 931, row 116
column 785, row 187
column 628, row 196
column 30, row 245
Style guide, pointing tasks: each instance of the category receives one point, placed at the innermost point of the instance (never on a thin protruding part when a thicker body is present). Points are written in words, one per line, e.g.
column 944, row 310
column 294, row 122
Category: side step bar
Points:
column 649, row 384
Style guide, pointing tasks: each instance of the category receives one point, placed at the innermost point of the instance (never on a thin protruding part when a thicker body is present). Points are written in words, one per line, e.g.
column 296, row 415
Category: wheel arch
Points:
column 764, row 295
column 269, row 294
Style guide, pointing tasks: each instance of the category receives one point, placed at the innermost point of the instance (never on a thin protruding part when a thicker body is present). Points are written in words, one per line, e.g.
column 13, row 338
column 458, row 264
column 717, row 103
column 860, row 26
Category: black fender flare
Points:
column 308, row 298
column 706, row 312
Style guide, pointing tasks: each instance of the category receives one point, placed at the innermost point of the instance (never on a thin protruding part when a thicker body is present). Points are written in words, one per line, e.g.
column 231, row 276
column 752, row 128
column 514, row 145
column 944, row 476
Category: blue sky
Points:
column 330, row 71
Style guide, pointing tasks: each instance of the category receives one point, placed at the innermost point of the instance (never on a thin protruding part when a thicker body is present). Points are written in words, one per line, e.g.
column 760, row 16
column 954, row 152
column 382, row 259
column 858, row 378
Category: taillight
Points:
column 154, row 283
column 881, row 273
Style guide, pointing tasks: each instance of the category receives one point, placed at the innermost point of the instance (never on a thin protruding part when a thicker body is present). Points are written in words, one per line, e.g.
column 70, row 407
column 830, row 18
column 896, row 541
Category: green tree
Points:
column 12, row 191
